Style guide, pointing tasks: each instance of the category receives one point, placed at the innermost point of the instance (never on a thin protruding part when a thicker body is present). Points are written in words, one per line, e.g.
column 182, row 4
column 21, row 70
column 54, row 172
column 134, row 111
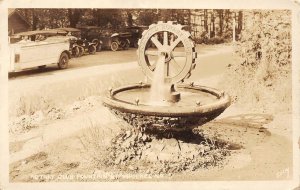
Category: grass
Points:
column 260, row 89
column 28, row 104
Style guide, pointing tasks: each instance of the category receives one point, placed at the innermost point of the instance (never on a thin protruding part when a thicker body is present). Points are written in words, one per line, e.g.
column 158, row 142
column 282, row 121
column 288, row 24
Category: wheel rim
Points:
column 114, row 46
column 92, row 49
column 75, row 51
column 168, row 40
column 81, row 50
column 96, row 42
column 63, row 62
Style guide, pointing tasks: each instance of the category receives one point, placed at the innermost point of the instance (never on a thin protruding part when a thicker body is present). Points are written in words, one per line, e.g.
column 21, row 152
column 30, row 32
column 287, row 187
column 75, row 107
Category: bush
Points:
column 261, row 76
column 216, row 40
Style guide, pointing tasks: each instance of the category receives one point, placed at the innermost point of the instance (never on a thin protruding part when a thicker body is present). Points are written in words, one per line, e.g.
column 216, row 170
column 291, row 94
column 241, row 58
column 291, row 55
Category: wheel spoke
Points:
column 165, row 38
column 175, row 43
column 151, row 52
column 160, row 59
column 156, row 42
column 179, row 54
column 176, row 66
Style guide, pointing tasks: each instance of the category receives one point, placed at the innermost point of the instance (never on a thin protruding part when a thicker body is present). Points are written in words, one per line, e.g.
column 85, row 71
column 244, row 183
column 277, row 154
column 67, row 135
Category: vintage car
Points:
column 106, row 38
column 38, row 49
column 136, row 34
column 79, row 46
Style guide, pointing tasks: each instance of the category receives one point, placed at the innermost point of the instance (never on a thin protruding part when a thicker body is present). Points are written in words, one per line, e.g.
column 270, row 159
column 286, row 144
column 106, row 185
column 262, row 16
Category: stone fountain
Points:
column 167, row 57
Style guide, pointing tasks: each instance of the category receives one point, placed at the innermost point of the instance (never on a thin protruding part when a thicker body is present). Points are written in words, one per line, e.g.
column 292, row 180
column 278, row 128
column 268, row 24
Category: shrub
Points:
column 216, row 40
column 261, row 76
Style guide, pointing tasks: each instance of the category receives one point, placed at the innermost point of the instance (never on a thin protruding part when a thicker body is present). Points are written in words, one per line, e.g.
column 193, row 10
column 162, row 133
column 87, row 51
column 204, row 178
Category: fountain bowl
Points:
column 174, row 116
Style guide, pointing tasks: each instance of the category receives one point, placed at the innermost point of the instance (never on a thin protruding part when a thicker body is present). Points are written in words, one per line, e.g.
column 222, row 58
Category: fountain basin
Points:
column 198, row 105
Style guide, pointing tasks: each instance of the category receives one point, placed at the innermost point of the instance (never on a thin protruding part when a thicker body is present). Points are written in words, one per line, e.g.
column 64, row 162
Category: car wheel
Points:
column 75, row 51
column 97, row 44
column 92, row 49
column 63, row 61
column 126, row 45
column 114, row 46
column 81, row 51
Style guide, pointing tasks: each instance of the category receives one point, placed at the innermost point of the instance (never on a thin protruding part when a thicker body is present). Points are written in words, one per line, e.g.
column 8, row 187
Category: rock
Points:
column 122, row 157
column 145, row 138
column 139, row 136
column 127, row 143
column 117, row 161
column 138, row 152
column 128, row 134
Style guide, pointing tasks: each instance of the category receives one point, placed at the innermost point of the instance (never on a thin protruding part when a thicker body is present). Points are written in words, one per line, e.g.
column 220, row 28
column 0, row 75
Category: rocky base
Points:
column 133, row 151
column 154, row 124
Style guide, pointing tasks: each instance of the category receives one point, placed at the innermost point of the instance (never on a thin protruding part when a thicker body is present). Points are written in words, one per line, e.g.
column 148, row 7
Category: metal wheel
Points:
column 81, row 51
column 171, row 44
column 63, row 61
column 126, row 44
column 92, row 49
column 75, row 51
column 97, row 44
column 114, row 46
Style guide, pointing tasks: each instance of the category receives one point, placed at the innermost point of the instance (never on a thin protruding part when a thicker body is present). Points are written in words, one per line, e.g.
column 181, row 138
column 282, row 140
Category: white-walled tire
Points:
column 97, row 44
column 81, row 51
column 92, row 49
column 75, row 51
column 114, row 46
column 63, row 61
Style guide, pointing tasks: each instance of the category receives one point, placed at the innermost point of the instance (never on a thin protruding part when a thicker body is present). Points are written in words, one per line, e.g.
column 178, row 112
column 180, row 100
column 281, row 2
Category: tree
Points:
column 147, row 16
column 220, row 13
column 74, row 16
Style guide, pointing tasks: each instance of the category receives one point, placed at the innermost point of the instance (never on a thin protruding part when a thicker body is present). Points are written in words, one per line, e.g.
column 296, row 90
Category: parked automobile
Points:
column 115, row 41
column 74, row 35
column 91, row 34
column 136, row 34
column 38, row 49
column 86, row 47
column 109, row 38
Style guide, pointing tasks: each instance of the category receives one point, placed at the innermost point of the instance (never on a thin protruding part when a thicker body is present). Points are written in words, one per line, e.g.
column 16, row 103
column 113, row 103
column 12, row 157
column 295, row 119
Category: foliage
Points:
column 263, row 71
column 147, row 16
column 267, row 39
column 215, row 24
column 45, row 18
column 216, row 40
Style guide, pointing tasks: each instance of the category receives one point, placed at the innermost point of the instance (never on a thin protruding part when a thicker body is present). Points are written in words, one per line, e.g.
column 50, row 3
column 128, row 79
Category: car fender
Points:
column 114, row 35
column 65, row 51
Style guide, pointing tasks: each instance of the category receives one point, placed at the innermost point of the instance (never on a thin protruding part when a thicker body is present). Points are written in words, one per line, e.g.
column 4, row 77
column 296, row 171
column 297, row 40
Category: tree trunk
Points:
column 221, row 22
column 240, row 22
column 213, row 33
column 129, row 18
column 74, row 16
column 34, row 20
column 205, row 20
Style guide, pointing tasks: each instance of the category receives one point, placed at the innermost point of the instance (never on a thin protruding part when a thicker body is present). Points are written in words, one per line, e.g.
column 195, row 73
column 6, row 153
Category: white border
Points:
column 180, row 4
